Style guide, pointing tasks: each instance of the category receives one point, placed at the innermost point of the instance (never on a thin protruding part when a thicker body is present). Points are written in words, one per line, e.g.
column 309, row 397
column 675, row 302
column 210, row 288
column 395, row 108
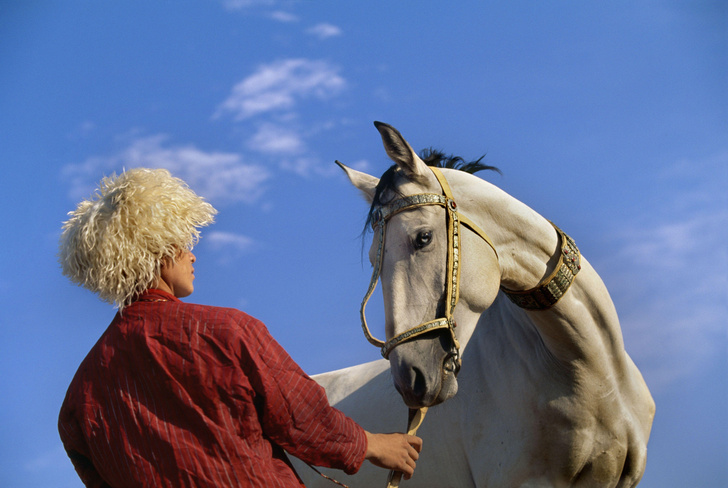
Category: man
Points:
column 177, row 394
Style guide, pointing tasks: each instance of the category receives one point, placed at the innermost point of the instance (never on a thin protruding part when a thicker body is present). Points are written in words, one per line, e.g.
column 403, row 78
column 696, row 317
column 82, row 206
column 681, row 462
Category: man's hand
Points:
column 394, row 451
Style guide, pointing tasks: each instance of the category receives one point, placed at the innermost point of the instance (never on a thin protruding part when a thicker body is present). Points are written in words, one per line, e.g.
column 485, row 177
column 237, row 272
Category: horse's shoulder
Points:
column 584, row 419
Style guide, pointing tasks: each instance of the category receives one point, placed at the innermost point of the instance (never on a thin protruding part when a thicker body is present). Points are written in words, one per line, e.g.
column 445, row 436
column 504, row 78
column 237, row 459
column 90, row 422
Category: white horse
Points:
column 546, row 395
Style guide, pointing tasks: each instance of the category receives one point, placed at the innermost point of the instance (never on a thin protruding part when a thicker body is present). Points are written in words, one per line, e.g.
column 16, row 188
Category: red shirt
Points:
column 176, row 394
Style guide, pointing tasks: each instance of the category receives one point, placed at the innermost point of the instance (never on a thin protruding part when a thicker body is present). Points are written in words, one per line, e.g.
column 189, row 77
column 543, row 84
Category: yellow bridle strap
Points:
column 466, row 221
column 480, row 232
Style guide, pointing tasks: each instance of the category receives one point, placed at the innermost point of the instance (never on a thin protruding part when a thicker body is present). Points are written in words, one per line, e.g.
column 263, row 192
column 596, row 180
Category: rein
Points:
column 380, row 218
column 414, row 420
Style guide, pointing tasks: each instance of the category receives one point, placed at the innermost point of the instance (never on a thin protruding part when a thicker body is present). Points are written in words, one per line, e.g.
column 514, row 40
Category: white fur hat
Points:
column 115, row 241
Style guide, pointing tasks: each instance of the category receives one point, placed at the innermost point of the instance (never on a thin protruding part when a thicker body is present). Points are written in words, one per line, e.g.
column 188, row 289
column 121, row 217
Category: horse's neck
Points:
column 527, row 243
column 528, row 250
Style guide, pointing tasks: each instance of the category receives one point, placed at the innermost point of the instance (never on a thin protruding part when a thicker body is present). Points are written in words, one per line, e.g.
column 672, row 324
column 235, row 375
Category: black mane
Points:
column 438, row 159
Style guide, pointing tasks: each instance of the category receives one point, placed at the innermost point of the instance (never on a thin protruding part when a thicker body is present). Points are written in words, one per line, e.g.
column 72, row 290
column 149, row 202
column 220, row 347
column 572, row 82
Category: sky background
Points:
column 609, row 118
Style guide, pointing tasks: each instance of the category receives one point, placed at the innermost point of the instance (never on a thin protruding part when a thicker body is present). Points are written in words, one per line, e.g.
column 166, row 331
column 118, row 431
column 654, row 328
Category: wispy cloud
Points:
column 278, row 86
column 360, row 165
column 668, row 273
column 227, row 247
column 221, row 177
column 670, row 281
column 271, row 101
column 243, row 4
column 219, row 240
column 324, row 31
column 306, row 166
column 285, row 17
column 276, row 139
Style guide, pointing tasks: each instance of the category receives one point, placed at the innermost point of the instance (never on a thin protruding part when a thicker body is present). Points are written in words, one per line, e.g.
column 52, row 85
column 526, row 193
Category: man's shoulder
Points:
column 217, row 314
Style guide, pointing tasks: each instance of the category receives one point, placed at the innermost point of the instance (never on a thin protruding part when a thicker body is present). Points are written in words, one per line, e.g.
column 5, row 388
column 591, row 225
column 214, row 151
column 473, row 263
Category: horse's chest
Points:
column 520, row 426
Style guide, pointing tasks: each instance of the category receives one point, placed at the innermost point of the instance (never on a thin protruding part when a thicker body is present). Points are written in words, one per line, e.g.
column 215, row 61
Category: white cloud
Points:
column 222, row 240
column 324, row 31
column 279, row 86
column 302, row 166
column 284, row 17
column 227, row 246
column 656, row 333
column 360, row 165
column 276, row 139
column 218, row 176
column 667, row 245
column 669, row 280
column 243, row 4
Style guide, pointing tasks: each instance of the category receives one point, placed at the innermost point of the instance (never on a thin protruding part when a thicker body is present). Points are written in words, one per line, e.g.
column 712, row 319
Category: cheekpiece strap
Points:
column 547, row 293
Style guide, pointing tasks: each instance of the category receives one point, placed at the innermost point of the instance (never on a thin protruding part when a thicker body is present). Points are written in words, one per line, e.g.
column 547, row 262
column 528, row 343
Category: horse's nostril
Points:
column 419, row 385
column 412, row 385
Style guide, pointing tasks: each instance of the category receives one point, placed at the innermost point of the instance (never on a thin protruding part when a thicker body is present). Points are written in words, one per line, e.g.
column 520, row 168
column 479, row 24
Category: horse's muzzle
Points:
column 424, row 383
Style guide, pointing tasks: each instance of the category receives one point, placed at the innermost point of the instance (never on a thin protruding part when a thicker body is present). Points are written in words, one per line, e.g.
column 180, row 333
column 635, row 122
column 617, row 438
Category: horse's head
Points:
column 426, row 268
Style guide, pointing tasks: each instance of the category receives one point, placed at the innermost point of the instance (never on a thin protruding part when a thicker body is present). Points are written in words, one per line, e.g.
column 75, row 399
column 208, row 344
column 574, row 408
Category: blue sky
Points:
column 610, row 119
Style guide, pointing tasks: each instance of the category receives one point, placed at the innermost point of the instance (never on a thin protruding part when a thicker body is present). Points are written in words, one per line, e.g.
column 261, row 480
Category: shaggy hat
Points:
column 114, row 242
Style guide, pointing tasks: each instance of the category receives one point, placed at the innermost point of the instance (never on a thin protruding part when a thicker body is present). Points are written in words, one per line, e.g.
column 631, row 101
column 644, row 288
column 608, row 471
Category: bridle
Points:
column 380, row 217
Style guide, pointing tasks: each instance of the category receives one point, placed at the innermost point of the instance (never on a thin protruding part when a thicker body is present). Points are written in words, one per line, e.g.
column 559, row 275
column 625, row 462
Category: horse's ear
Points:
column 367, row 184
column 399, row 151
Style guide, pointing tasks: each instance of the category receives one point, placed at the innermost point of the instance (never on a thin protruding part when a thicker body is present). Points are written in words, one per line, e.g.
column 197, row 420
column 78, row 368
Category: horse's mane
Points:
column 438, row 159
column 431, row 157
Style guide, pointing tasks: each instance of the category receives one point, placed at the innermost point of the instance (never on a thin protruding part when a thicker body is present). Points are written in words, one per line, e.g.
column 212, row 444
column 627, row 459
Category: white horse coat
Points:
column 544, row 398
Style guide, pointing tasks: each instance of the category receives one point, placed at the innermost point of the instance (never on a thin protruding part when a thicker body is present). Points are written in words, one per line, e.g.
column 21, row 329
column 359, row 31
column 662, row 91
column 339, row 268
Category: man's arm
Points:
column 296, row 413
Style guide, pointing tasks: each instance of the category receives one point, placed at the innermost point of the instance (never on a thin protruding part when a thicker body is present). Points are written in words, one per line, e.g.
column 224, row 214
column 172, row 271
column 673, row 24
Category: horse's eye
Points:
column 423, row 239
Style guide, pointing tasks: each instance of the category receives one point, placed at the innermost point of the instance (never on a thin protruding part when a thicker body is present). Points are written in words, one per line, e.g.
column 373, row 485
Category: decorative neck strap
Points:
column 547, row 293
